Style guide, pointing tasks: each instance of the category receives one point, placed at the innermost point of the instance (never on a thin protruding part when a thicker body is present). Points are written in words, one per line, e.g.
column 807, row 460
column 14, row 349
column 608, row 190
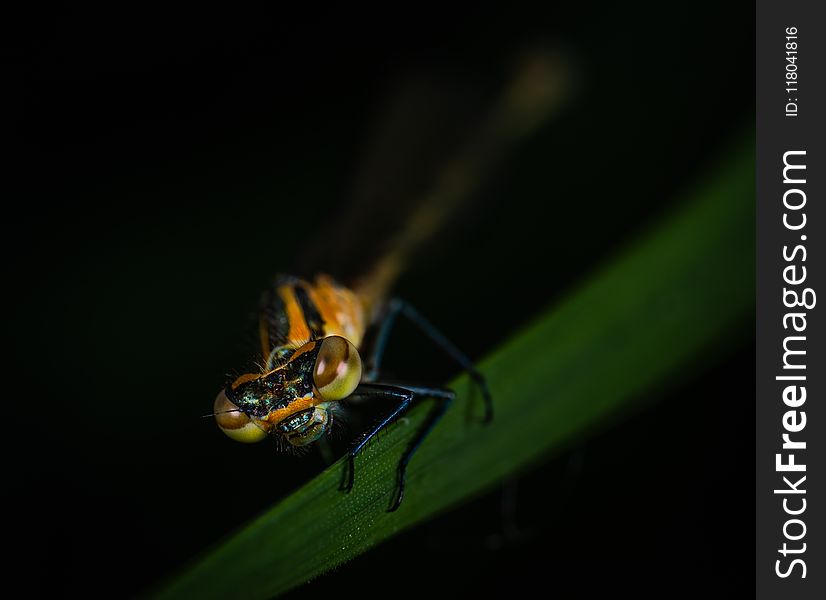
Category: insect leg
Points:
column 404, row 396
column 407, row 394
column 387, row 322
column 446, row 399
column 396, row 307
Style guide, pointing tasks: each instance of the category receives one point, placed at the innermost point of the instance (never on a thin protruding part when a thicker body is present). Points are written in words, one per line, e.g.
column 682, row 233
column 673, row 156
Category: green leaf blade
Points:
column 646, row 316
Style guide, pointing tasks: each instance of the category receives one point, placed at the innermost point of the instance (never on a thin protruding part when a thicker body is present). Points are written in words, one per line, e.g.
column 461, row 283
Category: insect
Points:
column 311, row 334
column 313, row 330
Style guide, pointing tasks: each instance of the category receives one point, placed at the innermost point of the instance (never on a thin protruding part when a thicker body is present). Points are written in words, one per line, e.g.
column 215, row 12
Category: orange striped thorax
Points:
column 295, row 311
column 296, row 317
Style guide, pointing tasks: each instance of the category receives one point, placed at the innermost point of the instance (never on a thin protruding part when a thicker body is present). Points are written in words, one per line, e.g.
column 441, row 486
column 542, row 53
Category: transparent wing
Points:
column 425, row 119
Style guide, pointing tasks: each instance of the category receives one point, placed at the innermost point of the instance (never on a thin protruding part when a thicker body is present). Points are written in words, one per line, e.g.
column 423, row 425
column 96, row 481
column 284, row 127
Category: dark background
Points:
column 167, row 161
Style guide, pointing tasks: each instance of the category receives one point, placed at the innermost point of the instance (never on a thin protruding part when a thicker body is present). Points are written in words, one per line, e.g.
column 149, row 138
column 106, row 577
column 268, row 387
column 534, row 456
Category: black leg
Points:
column 405, row 395
column 370, row 390
column 388, row 319
column 446, row 399
column 396, row 307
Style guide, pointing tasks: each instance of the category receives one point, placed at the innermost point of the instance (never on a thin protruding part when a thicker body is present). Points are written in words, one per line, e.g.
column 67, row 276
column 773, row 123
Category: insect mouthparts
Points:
column 296, row 420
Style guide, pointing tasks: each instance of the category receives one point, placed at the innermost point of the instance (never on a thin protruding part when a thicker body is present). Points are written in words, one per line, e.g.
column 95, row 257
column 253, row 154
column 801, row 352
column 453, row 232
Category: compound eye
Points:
column 237, row 425
column 337, row 368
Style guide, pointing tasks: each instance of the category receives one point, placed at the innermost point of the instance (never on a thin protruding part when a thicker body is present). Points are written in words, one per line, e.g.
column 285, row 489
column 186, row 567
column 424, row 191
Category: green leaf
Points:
column 653, row 313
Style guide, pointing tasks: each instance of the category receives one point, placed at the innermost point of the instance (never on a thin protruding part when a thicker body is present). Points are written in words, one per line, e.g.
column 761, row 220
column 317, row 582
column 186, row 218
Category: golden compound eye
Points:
column 235, row 423
column 337, row 368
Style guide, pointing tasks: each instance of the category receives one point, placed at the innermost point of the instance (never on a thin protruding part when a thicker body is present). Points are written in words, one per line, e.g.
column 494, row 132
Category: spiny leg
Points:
column 388, row 319
column 369, row 390
column 406, row 394
column 445, row 398
column 396, row 307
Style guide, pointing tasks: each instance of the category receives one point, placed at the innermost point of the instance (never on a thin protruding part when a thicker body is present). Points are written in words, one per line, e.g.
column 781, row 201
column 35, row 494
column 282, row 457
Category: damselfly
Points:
column 313, row 331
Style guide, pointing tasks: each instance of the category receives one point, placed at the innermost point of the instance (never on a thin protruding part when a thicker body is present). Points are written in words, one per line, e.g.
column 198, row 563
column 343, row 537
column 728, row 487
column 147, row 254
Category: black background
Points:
column 166, row 161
